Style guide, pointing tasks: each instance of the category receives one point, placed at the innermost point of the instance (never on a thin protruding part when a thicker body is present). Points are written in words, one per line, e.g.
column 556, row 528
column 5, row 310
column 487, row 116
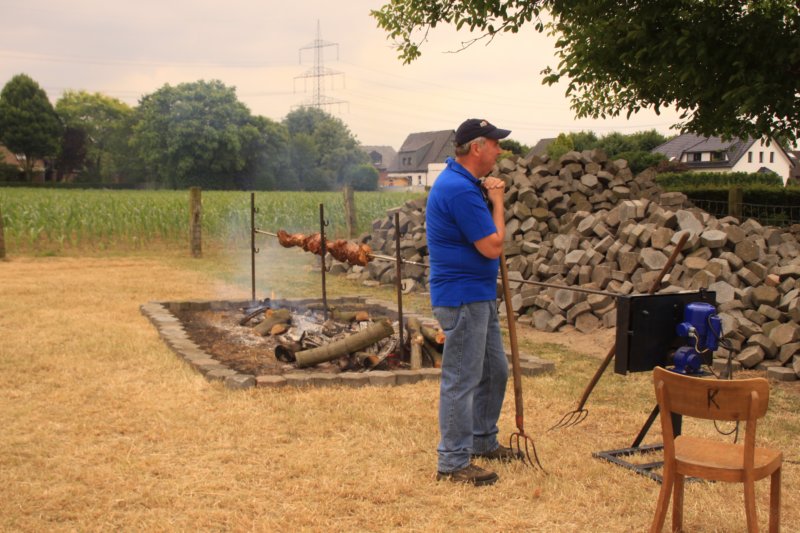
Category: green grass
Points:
column 53, row 221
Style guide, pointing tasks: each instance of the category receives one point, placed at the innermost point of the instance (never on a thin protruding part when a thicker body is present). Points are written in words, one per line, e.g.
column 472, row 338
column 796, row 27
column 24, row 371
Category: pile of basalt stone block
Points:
column 586, row 221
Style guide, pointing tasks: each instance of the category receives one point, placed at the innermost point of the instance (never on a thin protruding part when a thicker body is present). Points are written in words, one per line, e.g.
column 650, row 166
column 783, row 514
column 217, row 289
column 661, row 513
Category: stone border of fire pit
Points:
column 170, row 329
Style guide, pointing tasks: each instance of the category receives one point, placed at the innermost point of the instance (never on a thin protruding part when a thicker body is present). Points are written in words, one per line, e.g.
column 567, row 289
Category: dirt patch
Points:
column 219, row 334
column 595, row 344
column 217, row 331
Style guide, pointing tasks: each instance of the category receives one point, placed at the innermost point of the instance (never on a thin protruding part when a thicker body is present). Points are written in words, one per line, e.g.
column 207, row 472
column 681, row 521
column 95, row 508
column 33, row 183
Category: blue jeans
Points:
column 473, row 384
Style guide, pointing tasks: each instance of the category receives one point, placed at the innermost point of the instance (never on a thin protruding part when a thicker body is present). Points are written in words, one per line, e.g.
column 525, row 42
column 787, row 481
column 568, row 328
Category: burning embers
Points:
column 350, row 340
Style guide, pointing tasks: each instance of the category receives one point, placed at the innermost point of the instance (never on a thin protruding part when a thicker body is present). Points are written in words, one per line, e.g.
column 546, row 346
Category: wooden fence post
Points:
column 195, row 218
column 735, row 198
column 350, row 211
column 2, row 237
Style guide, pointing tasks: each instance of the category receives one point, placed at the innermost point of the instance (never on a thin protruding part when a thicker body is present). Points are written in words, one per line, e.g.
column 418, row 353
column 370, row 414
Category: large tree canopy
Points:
column 102, row 122
column 323, row 149
column 28, row 123
column 730, row 67
column 194, row 134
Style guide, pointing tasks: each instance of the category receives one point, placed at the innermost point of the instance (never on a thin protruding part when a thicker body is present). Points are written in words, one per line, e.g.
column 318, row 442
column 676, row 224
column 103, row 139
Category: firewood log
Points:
column 274, row 316
column 433, row 335
column 352, row 343
column 416, row 340
column 434, row 355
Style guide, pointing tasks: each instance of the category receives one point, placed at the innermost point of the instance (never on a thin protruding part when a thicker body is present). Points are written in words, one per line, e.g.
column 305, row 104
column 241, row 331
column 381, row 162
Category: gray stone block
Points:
column 240, row 382
column 765, row 295
column 747, row 251
column 720, row 366
column 382, row 378
column 781, row 373
column 652, row 259
column 751, row 356
column 788, row 351
column 220, row 374
column 407, row 377
column 430, row 373
column 586, row 323
column 270, row 381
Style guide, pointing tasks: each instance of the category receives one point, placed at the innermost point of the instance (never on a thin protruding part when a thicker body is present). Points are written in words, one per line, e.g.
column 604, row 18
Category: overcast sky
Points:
column 263, row 48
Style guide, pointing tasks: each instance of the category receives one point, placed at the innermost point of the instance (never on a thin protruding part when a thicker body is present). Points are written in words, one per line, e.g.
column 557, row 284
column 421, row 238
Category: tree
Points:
column 267, row 164
column 327, row 142
column 635, row 148
column 103, row 121
column 583, row 140
column 28, row 123
column 72, row 152
column 195, row 134
column 362, row 177
column 560, row 146
column 515, row 147
column 730, row 67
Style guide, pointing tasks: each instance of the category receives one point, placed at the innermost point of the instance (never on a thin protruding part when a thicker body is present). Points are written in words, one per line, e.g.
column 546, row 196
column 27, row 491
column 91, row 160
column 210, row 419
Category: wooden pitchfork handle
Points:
column 653, row 289
column 512, row 335
column 524, row 444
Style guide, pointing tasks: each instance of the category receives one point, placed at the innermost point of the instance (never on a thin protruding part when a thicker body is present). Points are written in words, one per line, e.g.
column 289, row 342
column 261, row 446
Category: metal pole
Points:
column 253, row 250
column 322, row 251
column 399, row 282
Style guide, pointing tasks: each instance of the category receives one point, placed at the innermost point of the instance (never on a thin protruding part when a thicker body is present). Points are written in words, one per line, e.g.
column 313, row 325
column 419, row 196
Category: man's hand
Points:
column 495, row 189
column 491, row 246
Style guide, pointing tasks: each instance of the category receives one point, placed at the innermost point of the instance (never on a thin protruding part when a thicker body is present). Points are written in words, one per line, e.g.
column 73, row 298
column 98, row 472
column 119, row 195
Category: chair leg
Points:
column 677, row 503
column 750, row 505
column 775, row 502
column 663, row 501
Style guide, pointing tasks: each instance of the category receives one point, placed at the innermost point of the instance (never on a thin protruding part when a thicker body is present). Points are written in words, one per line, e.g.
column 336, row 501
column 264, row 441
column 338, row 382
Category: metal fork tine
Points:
column 572, row 418
column 515, row 443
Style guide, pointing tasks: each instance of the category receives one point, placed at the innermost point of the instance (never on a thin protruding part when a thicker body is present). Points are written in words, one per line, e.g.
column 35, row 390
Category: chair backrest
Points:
column 711, row 399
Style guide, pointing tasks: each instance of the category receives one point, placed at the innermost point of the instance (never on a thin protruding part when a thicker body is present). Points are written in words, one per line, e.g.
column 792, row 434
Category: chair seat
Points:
column 721, row 461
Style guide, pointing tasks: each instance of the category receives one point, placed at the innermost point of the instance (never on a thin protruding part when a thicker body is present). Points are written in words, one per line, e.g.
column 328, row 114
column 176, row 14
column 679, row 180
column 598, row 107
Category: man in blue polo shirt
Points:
column 465, row 240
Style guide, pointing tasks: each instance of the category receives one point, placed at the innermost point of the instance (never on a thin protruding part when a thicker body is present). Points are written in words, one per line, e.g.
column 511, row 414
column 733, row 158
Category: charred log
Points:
column 274, row 316
column 352, row 343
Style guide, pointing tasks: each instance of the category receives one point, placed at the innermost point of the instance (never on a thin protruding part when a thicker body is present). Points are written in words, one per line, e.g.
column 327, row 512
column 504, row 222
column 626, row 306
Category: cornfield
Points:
column 53, row 220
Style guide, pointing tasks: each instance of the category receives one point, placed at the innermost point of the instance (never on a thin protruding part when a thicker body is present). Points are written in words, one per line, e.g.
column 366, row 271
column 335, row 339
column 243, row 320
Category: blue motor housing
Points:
column 703, row 329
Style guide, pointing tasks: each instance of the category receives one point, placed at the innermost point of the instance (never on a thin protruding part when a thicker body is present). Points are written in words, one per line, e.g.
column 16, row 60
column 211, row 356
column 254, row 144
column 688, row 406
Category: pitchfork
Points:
column 519, row 441
column 579, row 414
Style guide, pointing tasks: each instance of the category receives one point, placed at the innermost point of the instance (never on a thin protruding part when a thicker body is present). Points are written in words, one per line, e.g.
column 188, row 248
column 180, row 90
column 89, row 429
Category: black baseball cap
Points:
column 475, row 127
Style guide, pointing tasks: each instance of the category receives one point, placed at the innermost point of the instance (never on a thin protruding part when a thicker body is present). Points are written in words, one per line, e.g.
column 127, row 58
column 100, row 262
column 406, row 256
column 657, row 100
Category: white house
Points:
column 712, row 154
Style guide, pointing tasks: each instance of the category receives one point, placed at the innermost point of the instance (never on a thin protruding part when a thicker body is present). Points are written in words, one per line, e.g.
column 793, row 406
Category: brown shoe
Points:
column 472, row 474
column 502, row 453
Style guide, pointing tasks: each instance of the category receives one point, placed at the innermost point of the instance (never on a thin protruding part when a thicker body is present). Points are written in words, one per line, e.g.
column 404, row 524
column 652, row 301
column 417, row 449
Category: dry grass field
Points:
column 104, row 429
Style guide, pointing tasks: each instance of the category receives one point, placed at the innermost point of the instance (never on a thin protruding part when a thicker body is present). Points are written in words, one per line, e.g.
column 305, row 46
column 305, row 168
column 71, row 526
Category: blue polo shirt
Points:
column 456, row 216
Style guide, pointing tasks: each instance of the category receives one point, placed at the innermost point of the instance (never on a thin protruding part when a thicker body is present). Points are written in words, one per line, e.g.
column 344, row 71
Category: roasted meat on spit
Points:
column 341, row 250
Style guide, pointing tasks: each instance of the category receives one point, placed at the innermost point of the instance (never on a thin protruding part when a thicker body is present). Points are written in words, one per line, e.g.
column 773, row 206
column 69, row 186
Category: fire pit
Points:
column 232, row 341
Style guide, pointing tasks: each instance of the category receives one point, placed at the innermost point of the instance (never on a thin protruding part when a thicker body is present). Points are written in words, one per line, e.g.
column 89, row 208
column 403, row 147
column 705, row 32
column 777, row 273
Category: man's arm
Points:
column 491, row 246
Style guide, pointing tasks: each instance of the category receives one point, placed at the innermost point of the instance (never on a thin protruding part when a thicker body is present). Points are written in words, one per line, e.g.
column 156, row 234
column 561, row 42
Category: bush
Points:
column 684, row 181
column 9, row 172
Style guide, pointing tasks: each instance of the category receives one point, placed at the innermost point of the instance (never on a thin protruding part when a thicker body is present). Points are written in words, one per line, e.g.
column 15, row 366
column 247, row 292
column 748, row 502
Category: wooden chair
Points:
column 713, row 399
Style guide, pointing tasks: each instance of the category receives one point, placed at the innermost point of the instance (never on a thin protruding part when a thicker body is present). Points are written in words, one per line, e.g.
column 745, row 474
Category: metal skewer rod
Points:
column 525, row 281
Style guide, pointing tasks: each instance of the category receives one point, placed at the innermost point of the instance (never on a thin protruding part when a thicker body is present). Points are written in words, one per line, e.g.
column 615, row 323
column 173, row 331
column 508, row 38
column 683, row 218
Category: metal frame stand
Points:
column 645, row 469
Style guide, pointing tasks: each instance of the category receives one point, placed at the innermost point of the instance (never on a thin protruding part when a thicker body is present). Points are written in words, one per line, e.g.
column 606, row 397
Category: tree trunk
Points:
column 353, row 343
